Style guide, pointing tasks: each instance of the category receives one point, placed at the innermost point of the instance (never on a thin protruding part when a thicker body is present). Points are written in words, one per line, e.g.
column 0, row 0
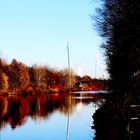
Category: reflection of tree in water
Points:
column 108, row 125
column 17, row 109
column 117, row 119
column 14, row 110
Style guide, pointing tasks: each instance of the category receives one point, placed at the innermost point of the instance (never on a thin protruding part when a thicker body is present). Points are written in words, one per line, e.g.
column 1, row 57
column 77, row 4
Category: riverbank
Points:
column 29, row 92
column 112, row 120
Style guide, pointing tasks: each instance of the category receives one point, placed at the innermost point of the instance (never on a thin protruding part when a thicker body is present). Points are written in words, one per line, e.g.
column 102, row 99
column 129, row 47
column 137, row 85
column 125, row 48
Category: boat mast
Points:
column 69, row 76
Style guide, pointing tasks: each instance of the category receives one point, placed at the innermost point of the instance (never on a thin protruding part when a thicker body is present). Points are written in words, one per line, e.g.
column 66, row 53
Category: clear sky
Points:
column 37, row 31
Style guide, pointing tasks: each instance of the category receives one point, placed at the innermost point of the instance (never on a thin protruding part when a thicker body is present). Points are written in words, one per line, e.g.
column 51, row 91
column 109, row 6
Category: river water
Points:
column 48, row 117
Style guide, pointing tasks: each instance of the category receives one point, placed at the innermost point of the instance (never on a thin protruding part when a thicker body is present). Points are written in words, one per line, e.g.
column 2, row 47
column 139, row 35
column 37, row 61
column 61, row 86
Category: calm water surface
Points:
column 47, row 117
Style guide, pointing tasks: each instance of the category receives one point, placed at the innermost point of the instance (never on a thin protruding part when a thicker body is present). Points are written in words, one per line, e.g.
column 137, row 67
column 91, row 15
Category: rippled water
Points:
column 47, row 117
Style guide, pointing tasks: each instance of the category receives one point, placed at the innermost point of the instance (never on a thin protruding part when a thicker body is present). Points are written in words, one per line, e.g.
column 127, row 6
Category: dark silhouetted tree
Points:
column 119, row 23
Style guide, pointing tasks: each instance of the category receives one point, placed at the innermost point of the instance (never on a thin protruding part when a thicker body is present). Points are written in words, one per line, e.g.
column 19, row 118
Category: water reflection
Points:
column 117, row 121
column 17, row 110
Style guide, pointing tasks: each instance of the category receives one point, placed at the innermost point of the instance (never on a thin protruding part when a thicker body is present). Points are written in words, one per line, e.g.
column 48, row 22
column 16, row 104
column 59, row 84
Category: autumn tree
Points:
column 42, row 74
column 38, row 76
column 69, row 78
column 4, row 85
column 13, row 73
column 86, row 78
column 23, row 76
column 49, row 77
column 78, row 78
column 18, row 75
column 3, row 65
column 32, row 76
column 4, row 82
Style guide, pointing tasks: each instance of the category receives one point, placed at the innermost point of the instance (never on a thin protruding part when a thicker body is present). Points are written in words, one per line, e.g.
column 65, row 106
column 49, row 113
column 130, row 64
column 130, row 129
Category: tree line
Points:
column 16, row 77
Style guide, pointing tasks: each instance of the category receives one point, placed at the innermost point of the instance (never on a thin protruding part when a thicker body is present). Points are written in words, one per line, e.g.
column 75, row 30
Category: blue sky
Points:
column 37, row 31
